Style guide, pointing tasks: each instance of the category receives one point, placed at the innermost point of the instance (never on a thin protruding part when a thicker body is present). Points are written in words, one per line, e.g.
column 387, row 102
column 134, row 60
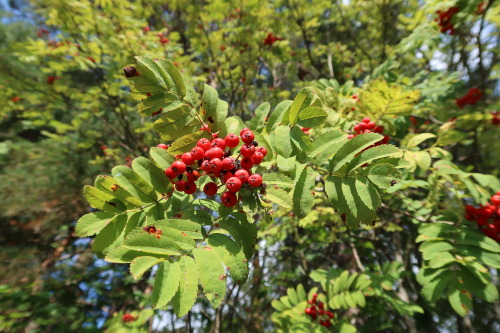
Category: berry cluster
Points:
column 213, row 158
column 487, row 217
column 444, row 20
column 496, row 118
column 127, row 317
column 271, row 39
column 368, row 126
column 317, row 309
column 473, row 95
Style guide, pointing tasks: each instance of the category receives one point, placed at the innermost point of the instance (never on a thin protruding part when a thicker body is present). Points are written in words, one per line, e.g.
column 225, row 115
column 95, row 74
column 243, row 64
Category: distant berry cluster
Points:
column 496, row 118
column 368, row 126
column 317, row 310
column 487, row 217
column 127, row 317
column 213, row 158
column 444, row 19
column 473, row 95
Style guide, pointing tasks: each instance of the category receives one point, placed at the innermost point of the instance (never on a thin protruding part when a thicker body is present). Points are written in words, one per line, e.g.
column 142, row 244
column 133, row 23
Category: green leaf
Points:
column 292, row 296
column 277, row 115
column 101, row 200
column 161, row 157
column 110, row 186
column 383, row 174
column 286, row 165
column 326, row 145
column 300, row 140
column 370, row 155
column 261, row 112
column 301, row 101
column 418, row 139
column 90, row 224
column 177, row 123
column 278, row 196
column 153, row 175
column 429, row 249
column 159, row 103
column 381, row 98
column 141, row 264
column 231, row 125
column 311, row 116
column 215, row 109
column 134, row 184
column 278, row 179
column 352, row 147
column 166, row 283
column 212, row 274
column 111, row 235
column 185, row 297
column 479, row 240
column 471, row 282
column 140, row 240
column 187, row 142
column 303, row 200
column 282, row 141
column 175, row 77
column 243, row 232
column 231, row 254
column 441, row 259
column 460, row 300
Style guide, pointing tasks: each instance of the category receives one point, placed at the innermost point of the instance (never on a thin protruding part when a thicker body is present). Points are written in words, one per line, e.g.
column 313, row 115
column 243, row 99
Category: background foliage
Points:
column 68, row 115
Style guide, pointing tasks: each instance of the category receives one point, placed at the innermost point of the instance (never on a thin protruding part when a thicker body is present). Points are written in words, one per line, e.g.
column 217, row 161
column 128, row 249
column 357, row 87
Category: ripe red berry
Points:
column 215, row 165
column 255, row 180
column 205, row 166
column 247, row 137
column 210, row 188
column 247, row 163
column 228, row 163
column 198, row 153
column 366, row 120
column 179, row 186
column 226, row 176
column 205, row 127
column 261, row 150
column 178, row 167
column 247, row 150
column 356, row 128
column 244, row 130
column 229, row 199
column 242, row 175
column 193, row 176
column 190, row 188
column 232, row 140
column 495, row 200
column 188, row 158
column 378, row 129
column 350, row 136
column 309, row 311
column 204, row 144
column 218, row 142
column 257, row 157
column 162, row 146
column 233, row 184
column 215, row 152
column 370, row 125
column 170, row 173
column 329, row 314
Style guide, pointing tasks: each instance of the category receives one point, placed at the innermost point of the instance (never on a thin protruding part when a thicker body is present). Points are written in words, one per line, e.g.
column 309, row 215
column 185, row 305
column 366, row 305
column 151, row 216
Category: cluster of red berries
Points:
column 213, row 158
column 496, row 118
column 368, row 126
column 51, row 79
column 444, row 20
column 163, row 39
column 271, row 39
column 127, row 317
column 487, row 217
column 473, row 95
column 317, row 309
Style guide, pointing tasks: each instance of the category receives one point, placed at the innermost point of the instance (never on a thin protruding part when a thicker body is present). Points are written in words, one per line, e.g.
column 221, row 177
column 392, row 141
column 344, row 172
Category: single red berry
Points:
column 204, row 144
column 228, row 163
column 193, row 176
column 321, row 305
column 162, row 146
column 261, row 150
column 178, row 167
column 496, row 200
column 233, row 184
column 170, row 173
column 350, row 136
column 218, row 142
column 370, row 125
column 215, row 165
column 257, row 157
column 232, row 140
column 205, row 166
column 229, row 199
column 205, row 127
column 244, row 130
column 247, row 163
column 309, row 311
column 210, row 188
column 188, row 158
column 179, row 186
column 356, row 128
column 247, row 137
column 378, row 129
column 255, row 180
column 366, row 120
column 242, row 175
column 198, row 153
column 247, row 150
column 215, row 152
column 190, row 188
column 226, row 176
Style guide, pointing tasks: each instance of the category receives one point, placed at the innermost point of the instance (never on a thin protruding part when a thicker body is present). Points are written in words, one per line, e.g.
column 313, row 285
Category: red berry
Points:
column 205, row 127
column 247, row 150
column 229, row 199
column 329, row 314
column 226, row 176
column 215, row 152
column 247, row 137
column 356, row 128
column 228, row 163
column 495, row 200
column 193, row 176
column 370, row 125
column 188, row 158
column 190, row 188
column 215, row 165
column 366, row 120
column 378, row 129
column 179, row 186
column 350, row 136
column 247, row 163
column 233, row 184
column 257, row 157
column 170, row 173
column 198, row 153
column 205, row 166
column 315, row 295
column 309, row 311
column 244, row 130
column 262, row 150
column 232, row 140
column 162, row 146
column 204, row 144
column 178, row 167
column 242, row 175
column 218, row 142
column 255, row 180
column 210, row 188
column 321, row 305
